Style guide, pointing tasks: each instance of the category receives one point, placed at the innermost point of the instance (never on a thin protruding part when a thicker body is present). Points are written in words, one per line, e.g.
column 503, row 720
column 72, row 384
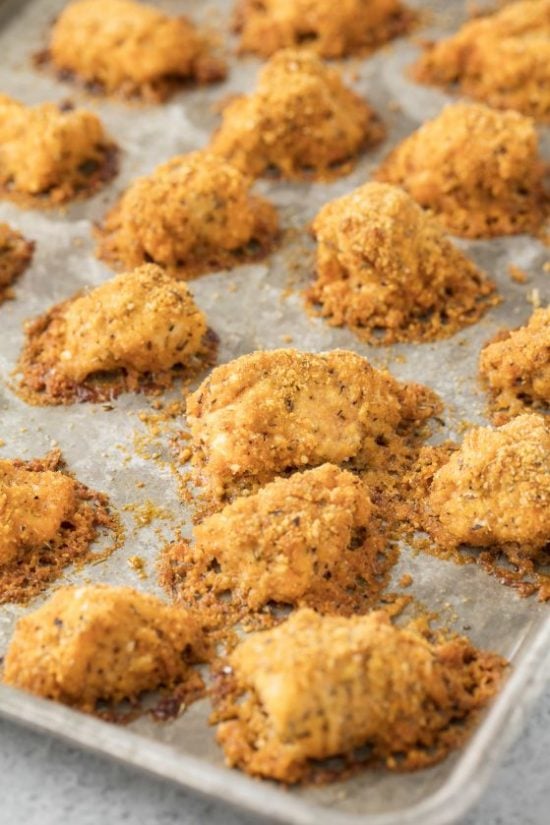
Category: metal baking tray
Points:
column 255, row 307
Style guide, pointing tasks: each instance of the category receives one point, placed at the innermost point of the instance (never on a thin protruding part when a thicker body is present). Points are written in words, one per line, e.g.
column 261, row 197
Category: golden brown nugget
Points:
column 48, row 520
column 15, row 255
column 322, row 686
column 129, row 48
column 301, row 121
column 386, row 270
column 101, row 643
column 495, row 491
column 50, row 154
column 502, row 59
column 281, row 543
column 330, row 29
column 267, row 413
column 194, row 214
column 33, row 505
column 477, row 169
column 139, row 330
column 515, row 367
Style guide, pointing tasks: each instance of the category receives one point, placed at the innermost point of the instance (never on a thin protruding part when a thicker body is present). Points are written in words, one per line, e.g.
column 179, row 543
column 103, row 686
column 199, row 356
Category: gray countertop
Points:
column 43, row 781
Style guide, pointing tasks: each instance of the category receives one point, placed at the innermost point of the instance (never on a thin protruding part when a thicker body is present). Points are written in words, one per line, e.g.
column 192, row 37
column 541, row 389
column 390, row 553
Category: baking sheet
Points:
column 252, row 308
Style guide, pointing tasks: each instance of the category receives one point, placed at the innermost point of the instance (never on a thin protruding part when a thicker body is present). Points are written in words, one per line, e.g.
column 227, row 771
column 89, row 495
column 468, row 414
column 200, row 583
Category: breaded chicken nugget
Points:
column 477, row 169
column 322, row 686
column 15, row 255
column 50, row 155
column 99, row 642
column 516, row 368
column 301, row 121
column 270, row 412
column 130, row 48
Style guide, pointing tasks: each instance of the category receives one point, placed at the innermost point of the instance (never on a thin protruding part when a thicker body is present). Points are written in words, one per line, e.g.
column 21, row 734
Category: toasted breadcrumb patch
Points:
column 477, row 169
column 15, row 255
column 515, row 368
column 51, row 154
column 137, row 332
column 194, row 214
column 386, row 270
column 331, row 30
column 301, row 121
column 309, row 539
column 268, row 413
column 130, row 49
column 48, row 520
column 317, row 687
column 502, row 59
column 102, row 643
column 487, row 502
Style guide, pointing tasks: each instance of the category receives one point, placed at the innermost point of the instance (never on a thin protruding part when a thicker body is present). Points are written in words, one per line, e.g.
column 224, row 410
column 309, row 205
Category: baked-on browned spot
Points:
column 301, row 121
column 515, row 368
column 48, row 520
column 386, row 270
column 193, row 214
column 100, row 643
column 477, row 169
column 309, row 539
column 130, row 49
column 15, row 255
column 317, row 687
column 52, row 154
column 328, row 28
column 502, row 59
column 269, row 413
column 491, row 494
column 137, row 332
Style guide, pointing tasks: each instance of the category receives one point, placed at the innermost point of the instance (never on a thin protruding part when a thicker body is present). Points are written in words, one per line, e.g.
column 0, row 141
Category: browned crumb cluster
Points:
column 386, row 270
column 136, row 332
column 269, row 413
column 319, row 687
column 301, row 121
column 492, row 494
column 515, row 368
column 502, row 59
column 477, row 169
column 51, row 154
column 99, row 643
column 130, row 49
column 15, row 255
column 194, row 214
column 330, row 29
column 309, row 539
column 48, row 520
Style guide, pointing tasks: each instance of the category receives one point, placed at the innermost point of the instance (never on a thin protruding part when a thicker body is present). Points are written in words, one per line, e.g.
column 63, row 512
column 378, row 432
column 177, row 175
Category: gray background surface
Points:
column 43, row 781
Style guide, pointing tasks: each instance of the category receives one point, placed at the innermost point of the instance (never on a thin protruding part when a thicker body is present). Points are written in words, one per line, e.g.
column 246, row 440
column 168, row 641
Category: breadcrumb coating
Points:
column 33, row 504
column 515, row 367
column 137, row 327
column 194, row 214
column 502, row 59
column 48, row 520
column 386, row 270
column 331, row 30
column 301, row 121
column 267, row 413
column 298, row 540
column 495, row 490
column 101, row 643
column 132, row 49
column 477, row 169
column 15, row 255
column 316, row 687
column 51, row 154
